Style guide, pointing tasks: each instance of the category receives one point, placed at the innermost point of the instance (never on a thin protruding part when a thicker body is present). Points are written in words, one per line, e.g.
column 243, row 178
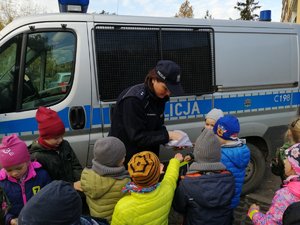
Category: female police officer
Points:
column 138, row 117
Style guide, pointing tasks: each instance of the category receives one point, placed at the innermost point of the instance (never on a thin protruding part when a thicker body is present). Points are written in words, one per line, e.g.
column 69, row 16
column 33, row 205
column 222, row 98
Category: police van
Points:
column 246, row 68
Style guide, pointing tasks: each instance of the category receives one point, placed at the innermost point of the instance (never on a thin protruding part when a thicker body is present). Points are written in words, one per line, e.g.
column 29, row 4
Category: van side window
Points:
column 42, row 75
column 8, row 67
column 126, row 54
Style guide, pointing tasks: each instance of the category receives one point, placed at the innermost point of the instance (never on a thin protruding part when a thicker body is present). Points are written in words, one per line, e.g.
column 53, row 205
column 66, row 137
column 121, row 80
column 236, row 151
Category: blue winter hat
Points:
column 227, row 127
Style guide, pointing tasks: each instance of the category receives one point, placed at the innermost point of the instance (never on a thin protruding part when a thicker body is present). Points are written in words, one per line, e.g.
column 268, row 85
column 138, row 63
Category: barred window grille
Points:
column 125, row 54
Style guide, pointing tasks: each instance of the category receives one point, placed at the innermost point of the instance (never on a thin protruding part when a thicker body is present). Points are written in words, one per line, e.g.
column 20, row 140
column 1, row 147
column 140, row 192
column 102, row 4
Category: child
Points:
column 285, row 196
column 204, row 195
column 292, row 136
column 150, row 201
column 103, row 183
column 211, row 118
column 19, row 178
column 52, row 151
column 57, row 203
column 235, row 154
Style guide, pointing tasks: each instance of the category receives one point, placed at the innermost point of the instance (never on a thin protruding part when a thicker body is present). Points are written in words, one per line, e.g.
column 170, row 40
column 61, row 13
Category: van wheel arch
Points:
column 256, row 168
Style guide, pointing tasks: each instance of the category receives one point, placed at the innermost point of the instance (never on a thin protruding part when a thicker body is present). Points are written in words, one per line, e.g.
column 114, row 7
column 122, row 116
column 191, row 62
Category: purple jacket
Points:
column 19, row 193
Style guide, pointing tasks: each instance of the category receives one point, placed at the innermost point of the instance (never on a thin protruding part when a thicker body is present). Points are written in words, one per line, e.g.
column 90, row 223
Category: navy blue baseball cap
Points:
column 169, row 72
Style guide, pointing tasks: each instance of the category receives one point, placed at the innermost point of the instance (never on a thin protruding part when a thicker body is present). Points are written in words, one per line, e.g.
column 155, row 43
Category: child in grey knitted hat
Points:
column 210, row 120
column 102, row 183
column 207, row 189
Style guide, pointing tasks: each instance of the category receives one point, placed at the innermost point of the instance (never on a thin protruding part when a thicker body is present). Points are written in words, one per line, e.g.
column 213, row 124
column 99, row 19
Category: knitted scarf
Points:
column 118, row 173
column 132, row 187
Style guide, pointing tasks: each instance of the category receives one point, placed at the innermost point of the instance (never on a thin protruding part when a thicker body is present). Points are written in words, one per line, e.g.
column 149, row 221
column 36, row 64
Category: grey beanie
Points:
column 207, row 153
column 109, row 151
column 214, row 114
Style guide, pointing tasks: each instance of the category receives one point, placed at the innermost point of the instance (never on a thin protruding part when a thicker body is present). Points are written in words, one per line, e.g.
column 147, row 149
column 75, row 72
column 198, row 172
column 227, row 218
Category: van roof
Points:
column 109, row 19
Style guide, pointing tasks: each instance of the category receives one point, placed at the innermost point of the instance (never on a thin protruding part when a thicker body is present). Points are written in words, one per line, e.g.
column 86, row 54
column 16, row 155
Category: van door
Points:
column 38, row 67
column 126, row 53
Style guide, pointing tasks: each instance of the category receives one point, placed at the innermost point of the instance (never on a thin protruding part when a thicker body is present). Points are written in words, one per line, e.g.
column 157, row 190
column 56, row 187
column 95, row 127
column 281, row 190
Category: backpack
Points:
column 277, row 164
column 291, row 215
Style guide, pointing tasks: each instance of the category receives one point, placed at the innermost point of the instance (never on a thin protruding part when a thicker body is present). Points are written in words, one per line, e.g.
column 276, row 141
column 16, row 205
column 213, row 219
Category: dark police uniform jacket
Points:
column 138, row 120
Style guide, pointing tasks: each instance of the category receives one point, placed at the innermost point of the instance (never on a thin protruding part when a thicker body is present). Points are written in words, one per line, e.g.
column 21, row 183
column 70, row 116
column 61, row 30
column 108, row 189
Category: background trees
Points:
column 11, row 9
column 247, row 9
column 185, row 10
column 207, row 16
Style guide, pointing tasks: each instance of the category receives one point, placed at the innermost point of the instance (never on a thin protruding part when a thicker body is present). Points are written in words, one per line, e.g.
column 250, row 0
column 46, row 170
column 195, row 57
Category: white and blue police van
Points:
column 246, row 68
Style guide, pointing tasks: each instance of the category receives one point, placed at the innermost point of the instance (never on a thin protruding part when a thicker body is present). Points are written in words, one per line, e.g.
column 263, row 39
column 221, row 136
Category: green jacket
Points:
column 102, row 193
column 61, row 164
column 149, row 208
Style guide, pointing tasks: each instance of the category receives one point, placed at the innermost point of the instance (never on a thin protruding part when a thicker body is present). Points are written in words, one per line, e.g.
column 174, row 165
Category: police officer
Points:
column 138, row 117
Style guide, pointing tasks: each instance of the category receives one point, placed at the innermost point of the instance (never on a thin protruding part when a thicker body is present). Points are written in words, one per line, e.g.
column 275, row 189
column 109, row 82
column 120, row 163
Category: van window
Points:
column 40, row 76
column 126, row 54
column 8, row 65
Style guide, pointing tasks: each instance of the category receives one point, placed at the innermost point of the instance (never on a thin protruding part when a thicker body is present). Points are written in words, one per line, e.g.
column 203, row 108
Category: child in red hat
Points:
column 19, row 177
column 52, row 151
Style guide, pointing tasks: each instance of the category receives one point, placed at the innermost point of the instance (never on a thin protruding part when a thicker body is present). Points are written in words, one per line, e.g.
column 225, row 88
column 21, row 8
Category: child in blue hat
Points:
column 235, row 154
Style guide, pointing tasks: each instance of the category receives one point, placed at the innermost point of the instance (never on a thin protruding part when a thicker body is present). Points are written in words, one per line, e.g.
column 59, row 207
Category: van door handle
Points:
column 77, row 117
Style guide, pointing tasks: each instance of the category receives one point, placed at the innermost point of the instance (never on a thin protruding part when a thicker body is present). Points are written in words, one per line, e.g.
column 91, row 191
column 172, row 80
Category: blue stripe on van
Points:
column 87, row 109
column 180, row 109
column 97, row 116
column 188, row 108
column 106, row 116
column 28, row 125
column 253, row 102
column 296, row 98
column 18, row 126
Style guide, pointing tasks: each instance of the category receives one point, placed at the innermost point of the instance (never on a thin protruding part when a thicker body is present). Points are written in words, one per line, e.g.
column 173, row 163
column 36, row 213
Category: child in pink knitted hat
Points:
column 19, row 177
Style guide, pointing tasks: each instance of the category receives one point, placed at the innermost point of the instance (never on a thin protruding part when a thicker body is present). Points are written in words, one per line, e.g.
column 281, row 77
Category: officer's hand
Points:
column 174, row 135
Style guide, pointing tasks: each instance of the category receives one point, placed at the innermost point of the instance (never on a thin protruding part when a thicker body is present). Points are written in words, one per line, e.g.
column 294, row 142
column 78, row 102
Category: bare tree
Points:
column 11, row 9
column 186, row 10
column 7, row 12
column 208, row 16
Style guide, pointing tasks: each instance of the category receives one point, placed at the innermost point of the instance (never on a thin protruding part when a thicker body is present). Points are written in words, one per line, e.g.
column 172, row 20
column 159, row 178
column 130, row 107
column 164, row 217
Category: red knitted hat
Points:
column 49, row 123
column 13, row 151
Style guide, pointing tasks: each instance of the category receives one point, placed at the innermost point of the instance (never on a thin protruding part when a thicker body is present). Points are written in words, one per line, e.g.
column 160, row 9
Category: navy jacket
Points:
column 205, row 199
column 138, row 120
column 19, row 193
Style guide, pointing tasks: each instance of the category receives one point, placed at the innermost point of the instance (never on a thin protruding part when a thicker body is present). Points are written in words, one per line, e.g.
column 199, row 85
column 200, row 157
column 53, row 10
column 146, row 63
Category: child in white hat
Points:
column 212, row 117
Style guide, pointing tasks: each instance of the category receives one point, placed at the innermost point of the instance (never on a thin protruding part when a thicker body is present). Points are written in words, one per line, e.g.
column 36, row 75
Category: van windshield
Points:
column 46, row 72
